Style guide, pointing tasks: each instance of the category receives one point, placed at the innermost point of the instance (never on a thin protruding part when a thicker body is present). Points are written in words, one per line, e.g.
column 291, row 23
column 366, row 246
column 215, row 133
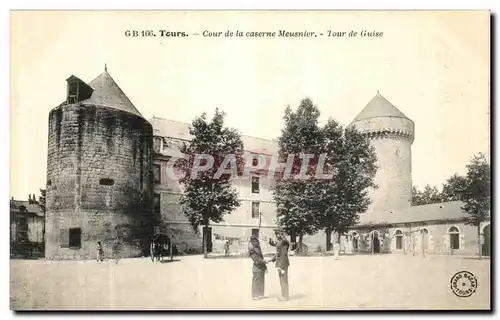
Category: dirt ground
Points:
column 351, row 282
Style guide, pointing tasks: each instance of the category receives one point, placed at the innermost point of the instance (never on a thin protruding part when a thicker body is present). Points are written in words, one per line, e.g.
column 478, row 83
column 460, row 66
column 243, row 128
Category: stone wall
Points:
column 393, row 176
column 392, row 138
column 98, row 180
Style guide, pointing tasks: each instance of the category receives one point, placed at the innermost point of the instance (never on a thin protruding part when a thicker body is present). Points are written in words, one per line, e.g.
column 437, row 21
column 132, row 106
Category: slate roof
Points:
column 179, row 130
column 429, row 212
column 107, row 93
column 379, row 107
column 30, row 208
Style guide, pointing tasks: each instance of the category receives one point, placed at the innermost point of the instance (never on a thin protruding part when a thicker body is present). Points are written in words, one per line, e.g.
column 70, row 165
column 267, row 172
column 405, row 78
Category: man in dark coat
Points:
column 259, row 268
column 281, row 261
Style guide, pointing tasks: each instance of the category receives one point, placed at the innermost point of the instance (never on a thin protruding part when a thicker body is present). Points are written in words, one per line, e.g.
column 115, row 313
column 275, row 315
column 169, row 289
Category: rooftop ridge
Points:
column 185, row 123
column 379, row 107
column 108, row 93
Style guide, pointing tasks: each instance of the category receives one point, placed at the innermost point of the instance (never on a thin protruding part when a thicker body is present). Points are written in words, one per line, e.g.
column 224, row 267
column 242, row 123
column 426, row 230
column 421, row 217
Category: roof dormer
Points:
column 77, row 90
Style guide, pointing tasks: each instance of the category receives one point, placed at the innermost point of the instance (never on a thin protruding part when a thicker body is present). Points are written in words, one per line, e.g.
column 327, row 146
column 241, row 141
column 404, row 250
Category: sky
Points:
column 433, row 66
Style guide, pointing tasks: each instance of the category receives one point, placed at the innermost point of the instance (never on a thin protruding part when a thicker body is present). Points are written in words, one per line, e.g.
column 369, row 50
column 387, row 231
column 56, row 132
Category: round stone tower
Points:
column 99, row 185
column 392, row 134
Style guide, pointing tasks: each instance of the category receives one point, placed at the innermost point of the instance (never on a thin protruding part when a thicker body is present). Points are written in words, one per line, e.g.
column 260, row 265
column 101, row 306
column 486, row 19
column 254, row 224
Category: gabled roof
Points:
column 430, row 212
column 108, row 94
column 179, row 130
column 33, row 209
column 379, row 107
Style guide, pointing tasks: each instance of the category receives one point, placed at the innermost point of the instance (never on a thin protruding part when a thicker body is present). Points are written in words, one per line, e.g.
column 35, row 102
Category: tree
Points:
column 296, row 213
column 476, row 194
column 345, row 196
column 333, row 204
column 416, row 198
column 207, row 197
column 454, row 187
column 41, row 203
column 428, row 196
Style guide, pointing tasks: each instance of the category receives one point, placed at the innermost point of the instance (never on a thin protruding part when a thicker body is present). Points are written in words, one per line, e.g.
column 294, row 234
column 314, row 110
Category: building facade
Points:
column 256, row 209
column 26, row 227
column 107, row 181
column 390, row 225
column 439, row 228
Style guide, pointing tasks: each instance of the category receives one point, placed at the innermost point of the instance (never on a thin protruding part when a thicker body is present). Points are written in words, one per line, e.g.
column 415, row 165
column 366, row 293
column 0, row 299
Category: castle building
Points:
column 391, row 134
column 391, row 224
column 107, row 181
column 99, row 182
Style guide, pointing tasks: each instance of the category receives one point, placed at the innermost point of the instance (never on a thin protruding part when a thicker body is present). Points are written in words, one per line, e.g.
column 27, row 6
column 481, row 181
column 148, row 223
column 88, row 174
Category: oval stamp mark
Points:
column 463, row 284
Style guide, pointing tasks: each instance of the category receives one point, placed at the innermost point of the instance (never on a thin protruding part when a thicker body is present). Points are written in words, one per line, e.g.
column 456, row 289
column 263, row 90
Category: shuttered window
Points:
column 70, row 238
column 255, row 209
column 64, row 238
column 157, row 203
column 157, row 173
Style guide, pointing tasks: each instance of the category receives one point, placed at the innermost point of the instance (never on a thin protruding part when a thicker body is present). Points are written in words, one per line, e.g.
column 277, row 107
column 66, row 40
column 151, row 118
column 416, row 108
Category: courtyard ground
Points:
column 191, row 282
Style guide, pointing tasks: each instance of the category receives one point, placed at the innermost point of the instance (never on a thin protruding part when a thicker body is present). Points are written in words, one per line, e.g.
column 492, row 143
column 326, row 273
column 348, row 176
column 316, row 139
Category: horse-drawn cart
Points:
column 161, row 245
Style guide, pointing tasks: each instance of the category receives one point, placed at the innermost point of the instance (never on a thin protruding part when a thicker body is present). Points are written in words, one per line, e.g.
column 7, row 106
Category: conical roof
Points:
column 108, row 94
column 379, row 107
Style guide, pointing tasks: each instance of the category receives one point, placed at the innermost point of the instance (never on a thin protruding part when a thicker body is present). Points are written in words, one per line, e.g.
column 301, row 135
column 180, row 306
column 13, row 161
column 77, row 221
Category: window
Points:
column 106, row 182
column 399, row 240
column 255, row 232
column 22, row 230
column 255, row 209
column 255, row 162
column 157, row 203
column 75, row 238
column 164, row 143
column 157, row 173
column 255, row 185
column 156, row 144
column 73, row 92
column 454, row 237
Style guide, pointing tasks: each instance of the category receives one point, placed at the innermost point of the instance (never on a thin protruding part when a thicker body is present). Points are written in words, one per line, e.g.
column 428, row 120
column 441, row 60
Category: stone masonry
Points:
column 99, row 184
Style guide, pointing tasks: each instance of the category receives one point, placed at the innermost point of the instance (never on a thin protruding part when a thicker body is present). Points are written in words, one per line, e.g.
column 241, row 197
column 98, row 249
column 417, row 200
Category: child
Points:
column 100, row 252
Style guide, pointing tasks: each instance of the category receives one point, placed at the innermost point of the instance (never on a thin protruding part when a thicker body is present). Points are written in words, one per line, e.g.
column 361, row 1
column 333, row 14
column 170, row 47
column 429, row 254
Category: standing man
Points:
column 259, row 268
column 281, row 261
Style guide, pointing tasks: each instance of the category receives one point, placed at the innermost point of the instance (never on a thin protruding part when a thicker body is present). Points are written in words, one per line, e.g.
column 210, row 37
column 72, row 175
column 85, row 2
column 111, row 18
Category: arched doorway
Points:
column 375, row 242
column 454, row 234
column 486, row 247
column 399, row 239
column 355, row 237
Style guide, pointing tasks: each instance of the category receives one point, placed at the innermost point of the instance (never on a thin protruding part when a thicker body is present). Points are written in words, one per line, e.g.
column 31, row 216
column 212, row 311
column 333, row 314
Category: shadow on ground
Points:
column 292, row 297
column 297, row 296
column 27, row 258
column 169, row 261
